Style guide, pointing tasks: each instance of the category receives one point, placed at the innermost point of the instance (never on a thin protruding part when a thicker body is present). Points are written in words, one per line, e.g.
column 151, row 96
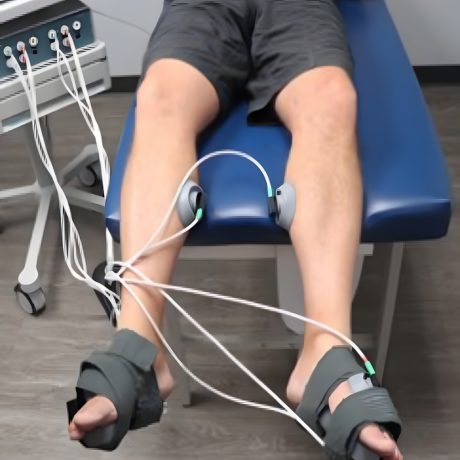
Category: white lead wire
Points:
column 103, row 157
column 207, row 157
column 145, row 281
column 68, row 248
column 186, row 369
column 287, row 410
column 151, row 245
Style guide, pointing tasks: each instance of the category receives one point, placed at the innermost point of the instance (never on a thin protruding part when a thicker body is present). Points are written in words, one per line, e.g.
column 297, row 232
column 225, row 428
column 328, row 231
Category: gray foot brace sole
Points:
column 125, row 376
column 367, row 404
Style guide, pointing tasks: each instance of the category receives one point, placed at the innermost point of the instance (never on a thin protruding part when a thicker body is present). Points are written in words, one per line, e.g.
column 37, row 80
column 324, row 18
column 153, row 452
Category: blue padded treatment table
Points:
column 406, row 185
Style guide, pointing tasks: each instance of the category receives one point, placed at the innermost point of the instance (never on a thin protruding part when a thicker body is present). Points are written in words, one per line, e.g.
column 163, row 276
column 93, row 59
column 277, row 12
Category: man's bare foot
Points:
column 100, row 411
column 372, row 436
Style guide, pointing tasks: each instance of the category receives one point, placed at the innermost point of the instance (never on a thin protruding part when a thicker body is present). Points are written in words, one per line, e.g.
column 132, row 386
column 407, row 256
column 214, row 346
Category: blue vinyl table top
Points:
column 407, row 192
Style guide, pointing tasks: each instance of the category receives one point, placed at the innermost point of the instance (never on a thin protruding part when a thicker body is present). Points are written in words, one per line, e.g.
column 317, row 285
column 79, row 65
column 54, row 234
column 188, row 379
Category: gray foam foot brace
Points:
column 123, row 374
column 367, row 404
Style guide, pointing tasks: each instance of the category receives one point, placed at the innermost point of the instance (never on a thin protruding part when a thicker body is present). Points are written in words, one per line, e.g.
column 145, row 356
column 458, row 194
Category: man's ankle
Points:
column 320, row 341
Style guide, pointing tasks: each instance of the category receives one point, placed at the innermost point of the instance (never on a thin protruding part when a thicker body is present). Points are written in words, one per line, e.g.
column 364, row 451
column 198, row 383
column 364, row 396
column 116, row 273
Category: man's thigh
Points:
column 210, row 35
column 291, row 38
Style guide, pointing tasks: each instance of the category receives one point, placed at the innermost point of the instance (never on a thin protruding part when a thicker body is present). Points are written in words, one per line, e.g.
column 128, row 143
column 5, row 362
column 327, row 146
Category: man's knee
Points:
column 174, row 93
column 323, row 98
column 160, row 100
column 336, row 98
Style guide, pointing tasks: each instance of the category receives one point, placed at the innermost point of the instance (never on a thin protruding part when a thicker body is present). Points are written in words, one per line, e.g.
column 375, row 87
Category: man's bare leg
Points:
column 174, row 104
column 319, row 108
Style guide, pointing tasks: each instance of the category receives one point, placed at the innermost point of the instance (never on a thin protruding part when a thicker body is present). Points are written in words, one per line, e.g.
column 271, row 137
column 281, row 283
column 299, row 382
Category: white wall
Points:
column 125, row 43
column 13, row 9
column 430, row 30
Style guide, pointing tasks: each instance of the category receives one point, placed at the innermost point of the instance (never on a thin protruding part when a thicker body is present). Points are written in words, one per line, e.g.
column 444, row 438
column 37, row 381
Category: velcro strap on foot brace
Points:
column 124, row 375
column 336, row 366
column 373, row 405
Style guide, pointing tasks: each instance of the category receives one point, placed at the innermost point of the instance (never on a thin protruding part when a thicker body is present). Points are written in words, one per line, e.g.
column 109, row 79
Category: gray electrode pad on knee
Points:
column 190, row 199
column 285, row 205
column 125, row 376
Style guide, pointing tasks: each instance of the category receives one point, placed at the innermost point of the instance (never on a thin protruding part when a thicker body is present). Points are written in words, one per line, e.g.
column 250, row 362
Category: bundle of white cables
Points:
column 74, row 254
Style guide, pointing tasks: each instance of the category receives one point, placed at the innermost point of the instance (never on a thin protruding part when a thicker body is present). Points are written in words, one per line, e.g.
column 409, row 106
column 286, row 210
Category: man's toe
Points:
column 98, row 411
column 75, row 434
column 379, row 442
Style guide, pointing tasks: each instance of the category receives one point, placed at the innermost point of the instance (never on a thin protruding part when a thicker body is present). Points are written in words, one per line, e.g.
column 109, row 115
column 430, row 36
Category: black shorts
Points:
column 257, row 46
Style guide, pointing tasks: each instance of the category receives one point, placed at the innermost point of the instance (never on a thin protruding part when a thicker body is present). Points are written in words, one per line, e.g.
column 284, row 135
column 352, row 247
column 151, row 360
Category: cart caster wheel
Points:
column 32, row 303
column 99, row 277
column 90, row 176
